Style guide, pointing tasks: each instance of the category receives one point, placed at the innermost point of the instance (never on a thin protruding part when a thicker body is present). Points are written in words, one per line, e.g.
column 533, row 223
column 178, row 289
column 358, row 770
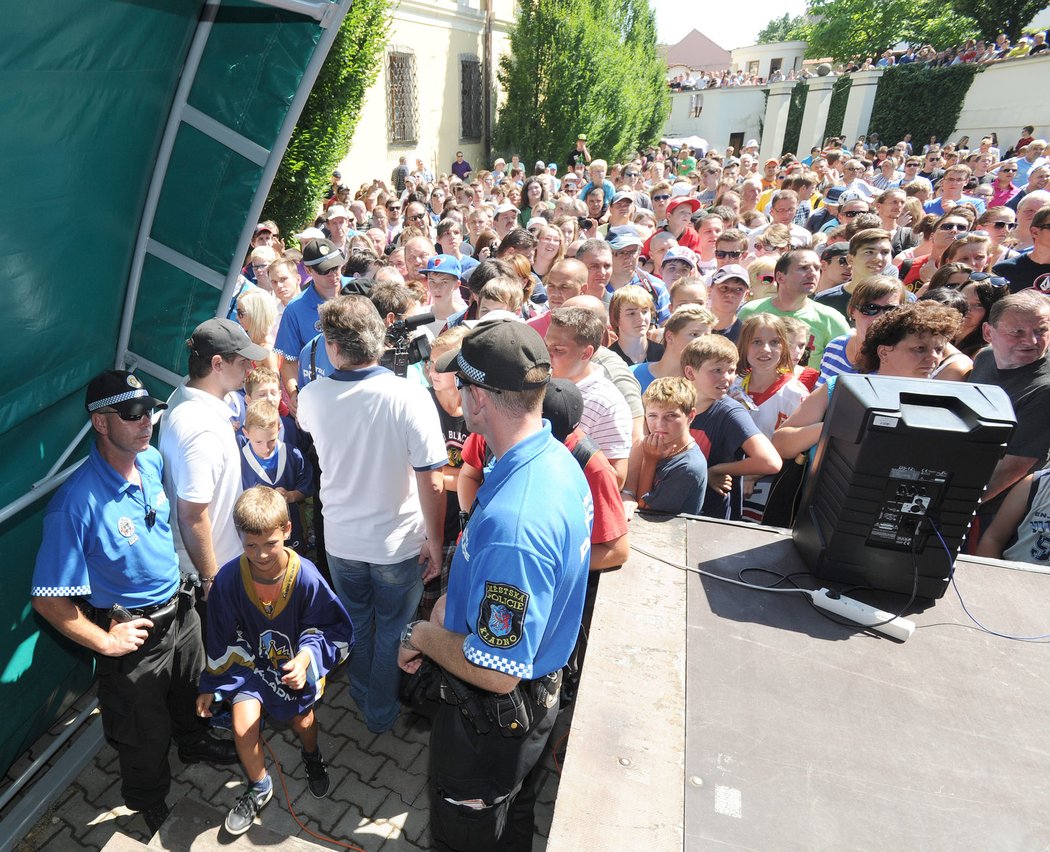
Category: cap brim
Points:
column 140, row 405
column 254, row 352
column 447, row 362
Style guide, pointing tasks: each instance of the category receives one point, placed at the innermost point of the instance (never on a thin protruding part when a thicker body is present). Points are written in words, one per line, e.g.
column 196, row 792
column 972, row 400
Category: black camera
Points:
column 405, row 348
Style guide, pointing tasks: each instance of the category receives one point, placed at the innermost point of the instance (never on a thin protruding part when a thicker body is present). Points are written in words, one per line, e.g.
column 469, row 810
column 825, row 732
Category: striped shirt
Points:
column 835, row 362
column 606, row 417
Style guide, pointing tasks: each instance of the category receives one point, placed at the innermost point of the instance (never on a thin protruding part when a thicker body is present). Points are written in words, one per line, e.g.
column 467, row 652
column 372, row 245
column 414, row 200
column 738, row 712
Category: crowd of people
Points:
column 473, row 381
column 973, row 51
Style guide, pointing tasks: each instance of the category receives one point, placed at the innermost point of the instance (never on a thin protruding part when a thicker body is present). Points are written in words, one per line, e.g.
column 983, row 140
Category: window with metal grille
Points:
column 402, row 107
column 469, row 98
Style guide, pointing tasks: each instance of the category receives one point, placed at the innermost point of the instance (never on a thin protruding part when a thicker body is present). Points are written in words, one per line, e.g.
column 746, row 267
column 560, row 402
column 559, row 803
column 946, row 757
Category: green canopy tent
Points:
column 139, row 141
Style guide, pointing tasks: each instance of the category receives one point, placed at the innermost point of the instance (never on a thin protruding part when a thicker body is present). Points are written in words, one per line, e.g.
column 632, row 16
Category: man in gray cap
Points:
column 202, row 463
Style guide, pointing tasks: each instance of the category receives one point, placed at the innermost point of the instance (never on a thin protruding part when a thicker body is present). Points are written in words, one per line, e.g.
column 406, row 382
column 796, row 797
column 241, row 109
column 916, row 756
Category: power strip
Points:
column 860, row 613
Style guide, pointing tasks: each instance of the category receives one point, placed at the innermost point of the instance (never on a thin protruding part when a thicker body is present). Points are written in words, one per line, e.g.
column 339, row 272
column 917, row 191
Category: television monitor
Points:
column 896, row 458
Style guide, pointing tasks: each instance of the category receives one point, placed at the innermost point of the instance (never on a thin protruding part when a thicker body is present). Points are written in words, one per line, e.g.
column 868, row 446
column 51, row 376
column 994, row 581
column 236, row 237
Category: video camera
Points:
column 407, row 349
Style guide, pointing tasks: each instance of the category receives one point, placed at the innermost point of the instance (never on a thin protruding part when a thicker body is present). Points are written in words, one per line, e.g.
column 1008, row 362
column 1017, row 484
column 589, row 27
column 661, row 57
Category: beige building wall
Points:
column 438, row 33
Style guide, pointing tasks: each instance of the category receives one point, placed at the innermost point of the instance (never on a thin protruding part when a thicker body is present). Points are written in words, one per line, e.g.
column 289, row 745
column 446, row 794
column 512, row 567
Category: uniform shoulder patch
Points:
column 501, row 618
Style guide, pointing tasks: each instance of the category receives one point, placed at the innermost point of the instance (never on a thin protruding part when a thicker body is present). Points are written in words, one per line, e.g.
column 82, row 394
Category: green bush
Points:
column 837, row 107
column 794, row 121
column 921, row 101
column 322, row 135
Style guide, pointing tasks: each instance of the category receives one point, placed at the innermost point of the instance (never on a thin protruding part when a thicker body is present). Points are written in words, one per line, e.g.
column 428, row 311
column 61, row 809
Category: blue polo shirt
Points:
column 937, row 207
column 97, row 543
column 519, row 576
column 322, row 364
column 299, row 322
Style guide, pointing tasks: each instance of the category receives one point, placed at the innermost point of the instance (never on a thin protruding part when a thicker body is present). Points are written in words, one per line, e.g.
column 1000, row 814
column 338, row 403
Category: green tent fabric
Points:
column 88, row 86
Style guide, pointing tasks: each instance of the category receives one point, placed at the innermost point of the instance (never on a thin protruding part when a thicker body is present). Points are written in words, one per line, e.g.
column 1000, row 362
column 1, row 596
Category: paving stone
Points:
column 61, row 840
column 47, row 828
column 407, row 785
column 366, row 796
column 356, row 828
column 401, row 752
column 364, row 763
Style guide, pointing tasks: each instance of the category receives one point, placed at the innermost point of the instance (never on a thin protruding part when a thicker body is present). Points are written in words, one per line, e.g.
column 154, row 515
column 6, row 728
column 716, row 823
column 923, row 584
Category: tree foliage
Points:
column 921, row 101
column 322, row 135
column 581, row 66
column 837, row 107
column 844, row 29
column 786, row 28
column 796, row 109
column 1002, row 16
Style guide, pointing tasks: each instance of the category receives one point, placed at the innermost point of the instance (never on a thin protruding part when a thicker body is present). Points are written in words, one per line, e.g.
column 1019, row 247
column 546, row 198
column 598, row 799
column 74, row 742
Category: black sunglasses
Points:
column 993, row 280
column 999, row 226
column 851, row 213
column 949, row 226
column 661, row 197
column 873, row 310
column 462, row 382
column 130, row 418
column 722, row 255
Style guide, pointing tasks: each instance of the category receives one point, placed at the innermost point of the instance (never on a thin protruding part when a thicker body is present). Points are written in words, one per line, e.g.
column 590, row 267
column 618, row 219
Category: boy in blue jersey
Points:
column 275, row 630
column 267, row 460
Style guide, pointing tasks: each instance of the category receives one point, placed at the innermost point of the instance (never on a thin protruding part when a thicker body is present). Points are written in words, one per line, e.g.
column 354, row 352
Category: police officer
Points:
column 107, row 577
column 514, row 603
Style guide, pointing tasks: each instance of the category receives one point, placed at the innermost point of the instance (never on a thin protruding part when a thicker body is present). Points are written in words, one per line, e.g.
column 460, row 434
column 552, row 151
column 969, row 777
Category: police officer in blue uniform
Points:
column 107, row 577
column 512, row 613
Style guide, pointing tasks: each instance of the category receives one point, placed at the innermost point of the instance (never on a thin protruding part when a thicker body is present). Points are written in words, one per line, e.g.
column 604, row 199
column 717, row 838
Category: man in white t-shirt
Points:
column 575, row 334
column 202, row 463
column 381, row 453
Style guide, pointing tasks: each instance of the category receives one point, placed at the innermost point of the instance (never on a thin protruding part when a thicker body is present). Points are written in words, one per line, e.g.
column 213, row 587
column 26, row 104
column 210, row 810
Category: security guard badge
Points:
column 133, row 382
column 126, row 527
column 502, row 615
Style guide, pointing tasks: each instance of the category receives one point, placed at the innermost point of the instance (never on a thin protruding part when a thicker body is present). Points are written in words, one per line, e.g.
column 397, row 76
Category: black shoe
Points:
column 316, row 774
column 210, row 750
column 155, row 816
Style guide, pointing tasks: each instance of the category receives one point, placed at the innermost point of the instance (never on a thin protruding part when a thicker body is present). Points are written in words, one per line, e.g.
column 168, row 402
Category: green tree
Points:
column 581, row 66
column 843, row 29
column 786, row 28
column 1003, row 16
column 322, row 135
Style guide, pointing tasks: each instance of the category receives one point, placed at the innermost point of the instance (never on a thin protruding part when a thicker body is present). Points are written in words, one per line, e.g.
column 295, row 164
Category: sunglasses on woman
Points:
column 999, row 226
column 993, row 280
column 873, row 310
column 953, row 226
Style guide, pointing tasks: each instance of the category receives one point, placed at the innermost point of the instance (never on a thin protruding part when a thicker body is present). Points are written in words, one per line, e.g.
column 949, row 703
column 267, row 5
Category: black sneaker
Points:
column 210, row 750
column 242, row 815
column 316, row 774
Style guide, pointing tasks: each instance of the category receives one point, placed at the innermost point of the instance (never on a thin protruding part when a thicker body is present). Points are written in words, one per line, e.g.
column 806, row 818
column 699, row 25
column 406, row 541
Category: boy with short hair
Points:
column 728, row 437
column 275, row 630
column 267, row 460
column 667, row 470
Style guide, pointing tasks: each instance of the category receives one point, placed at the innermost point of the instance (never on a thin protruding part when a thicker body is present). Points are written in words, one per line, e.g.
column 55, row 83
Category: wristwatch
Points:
column 406, row 636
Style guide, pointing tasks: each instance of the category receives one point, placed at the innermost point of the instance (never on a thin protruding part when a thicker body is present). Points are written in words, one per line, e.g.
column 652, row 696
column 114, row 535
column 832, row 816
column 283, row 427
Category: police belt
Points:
column 147, row 611
column 513, row 713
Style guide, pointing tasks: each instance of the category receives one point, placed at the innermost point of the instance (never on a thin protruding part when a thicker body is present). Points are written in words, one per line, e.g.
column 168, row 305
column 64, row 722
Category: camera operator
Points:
column 398, row 305
column 380, row 445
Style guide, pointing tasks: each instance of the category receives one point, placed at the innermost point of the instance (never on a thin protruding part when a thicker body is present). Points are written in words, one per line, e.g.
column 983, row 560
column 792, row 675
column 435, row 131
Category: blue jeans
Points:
column 381, row 600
